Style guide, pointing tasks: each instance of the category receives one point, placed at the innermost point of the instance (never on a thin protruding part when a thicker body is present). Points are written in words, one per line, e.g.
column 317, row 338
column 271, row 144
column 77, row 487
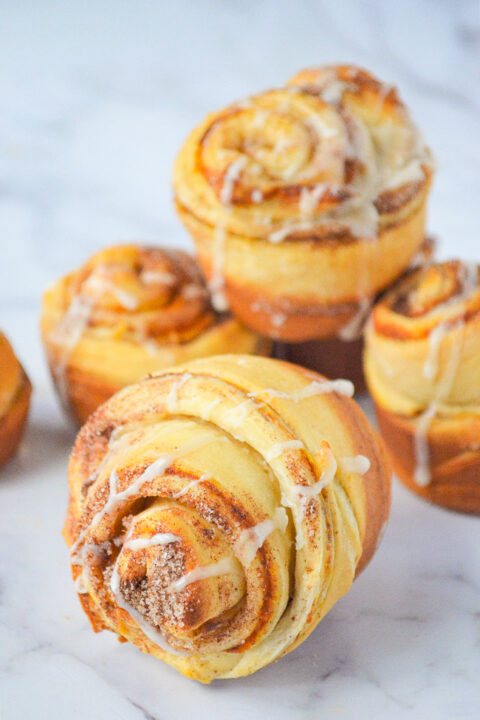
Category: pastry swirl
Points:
column 129, row 311
column 324, row 179
column 422, row 364
column 218, row 510
column 15, row 391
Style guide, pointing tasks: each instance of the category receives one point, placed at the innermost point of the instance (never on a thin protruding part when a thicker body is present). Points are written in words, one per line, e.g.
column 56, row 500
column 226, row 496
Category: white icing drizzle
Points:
column 151, row 346
column 422, row 474
column 280, row 447
column 383, row 171
column 192, row 291
column 72, row 326
column 413, row 172
column 323, row 129
column 356, row 464
column 333, row 91
column 68, row 334
column 134, row 544
column 353, row 329
column 101, row 283
column 278, row 236
column 430, row 366
column 172, row 398
column 310, row 197
column 211, row 406
column 237, row 414
column 309, row 491
column 359, row 216
column 155, row 277
column 217, row 280
column 126, row 300
column 363, row 220
column 190, row 485
column 278, row 319
column 303, row 494
column 317, row 387
column 152, row 471
column 257, row 196
column 251, row 539
column 79, row 558
column 231, row 176
column 222, row 567
column 259, row 119
column 155, row 540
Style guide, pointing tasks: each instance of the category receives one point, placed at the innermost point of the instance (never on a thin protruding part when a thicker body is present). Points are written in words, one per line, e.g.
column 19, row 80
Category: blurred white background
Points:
column 96, row 98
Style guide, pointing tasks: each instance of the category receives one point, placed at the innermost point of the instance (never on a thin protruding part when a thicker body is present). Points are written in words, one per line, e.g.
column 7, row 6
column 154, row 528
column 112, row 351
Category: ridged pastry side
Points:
column 129, row 311
column 219, row 509
column 422, row 364
column 305, row 201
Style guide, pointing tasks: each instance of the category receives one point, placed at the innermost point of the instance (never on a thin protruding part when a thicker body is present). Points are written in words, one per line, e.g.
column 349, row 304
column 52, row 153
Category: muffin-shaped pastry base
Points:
column 454, row 458
column 131, row 311
column 306, row 201
column 276, row 291
column 15, row 391
column 422, row 366
column 219, row 509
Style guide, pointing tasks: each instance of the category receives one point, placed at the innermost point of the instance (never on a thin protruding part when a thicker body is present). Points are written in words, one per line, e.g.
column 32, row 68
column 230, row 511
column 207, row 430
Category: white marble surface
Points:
column 95, row 99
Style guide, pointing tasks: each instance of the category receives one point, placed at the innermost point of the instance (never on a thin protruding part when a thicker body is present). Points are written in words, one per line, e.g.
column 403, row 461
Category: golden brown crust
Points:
column 15, row 391
column 221, row 453
column 454, row 450
column 323, row 177
column 422, row 364
column 129, row 311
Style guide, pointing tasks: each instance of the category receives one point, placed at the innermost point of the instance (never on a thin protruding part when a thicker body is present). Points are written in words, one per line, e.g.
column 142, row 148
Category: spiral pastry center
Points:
column 130, row 281
column 276, row 147
column 429, row 302
column 176, row 571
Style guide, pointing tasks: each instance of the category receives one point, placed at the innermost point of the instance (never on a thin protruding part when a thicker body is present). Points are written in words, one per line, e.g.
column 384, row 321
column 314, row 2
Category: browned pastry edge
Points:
column 13, row 422
column 87, row 391
column 331, row 357
column 376, row 481
column 454, row 447
column 301, row 318
column 300, row 321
